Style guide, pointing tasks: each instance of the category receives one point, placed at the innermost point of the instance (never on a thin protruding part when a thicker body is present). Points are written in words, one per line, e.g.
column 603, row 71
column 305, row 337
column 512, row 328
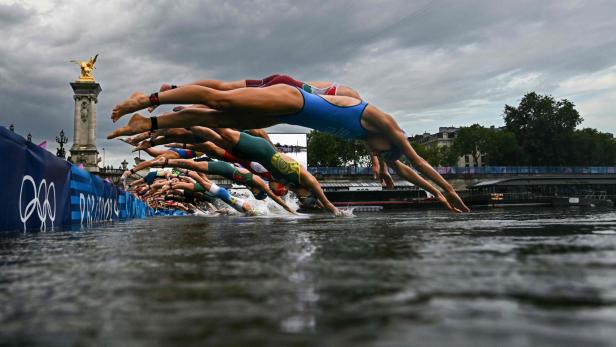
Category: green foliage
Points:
column 499, row 147
column 543, row 127
column 503, row 149
column 540, row 131
column 436, row 156
column 592, row 148
column 472, row 140
column 327, row 150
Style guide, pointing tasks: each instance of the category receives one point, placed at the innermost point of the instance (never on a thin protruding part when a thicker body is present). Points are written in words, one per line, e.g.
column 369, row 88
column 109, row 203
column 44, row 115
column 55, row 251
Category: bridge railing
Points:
column 479, row 170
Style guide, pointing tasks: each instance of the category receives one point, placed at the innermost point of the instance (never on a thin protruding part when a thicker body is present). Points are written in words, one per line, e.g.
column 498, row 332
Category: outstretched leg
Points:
column 387, row 127
column 275, row 100
column 196, row 116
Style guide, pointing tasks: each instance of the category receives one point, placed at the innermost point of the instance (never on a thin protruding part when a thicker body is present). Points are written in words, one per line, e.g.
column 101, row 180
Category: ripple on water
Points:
column 493, row 277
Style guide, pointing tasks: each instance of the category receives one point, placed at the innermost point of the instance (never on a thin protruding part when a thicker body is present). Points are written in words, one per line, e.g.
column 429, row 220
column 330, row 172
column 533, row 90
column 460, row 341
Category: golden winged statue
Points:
column 86, row 69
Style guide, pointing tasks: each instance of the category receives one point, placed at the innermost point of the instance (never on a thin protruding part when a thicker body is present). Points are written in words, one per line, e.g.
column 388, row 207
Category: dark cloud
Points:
column 428, row 63
column 13, row 14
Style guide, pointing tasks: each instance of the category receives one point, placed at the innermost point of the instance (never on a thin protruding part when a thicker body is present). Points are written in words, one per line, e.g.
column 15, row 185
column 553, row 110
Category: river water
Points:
column 506, row 277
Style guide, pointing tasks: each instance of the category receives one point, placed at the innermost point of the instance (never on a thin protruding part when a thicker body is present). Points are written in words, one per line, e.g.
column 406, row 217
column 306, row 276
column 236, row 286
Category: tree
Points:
column 592, row 148
column 543, row 127
column 503, row 149
column 321, row 150
column 473, row 140
column 327, row 150
column 436, row 156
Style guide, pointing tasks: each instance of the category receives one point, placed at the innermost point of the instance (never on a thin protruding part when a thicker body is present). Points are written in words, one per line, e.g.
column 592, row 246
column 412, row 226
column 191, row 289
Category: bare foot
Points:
column 134, row 140
column 135, row 102
column 137, row 124
column 140, row 137
column 145, row 144
column 127, row 140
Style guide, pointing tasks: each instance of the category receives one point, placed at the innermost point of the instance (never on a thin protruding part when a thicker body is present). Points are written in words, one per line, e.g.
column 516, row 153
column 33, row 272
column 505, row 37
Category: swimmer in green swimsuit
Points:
column 283, row 168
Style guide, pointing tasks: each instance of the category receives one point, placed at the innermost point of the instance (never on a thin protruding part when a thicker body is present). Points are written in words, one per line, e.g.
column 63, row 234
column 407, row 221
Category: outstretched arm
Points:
column 408, row 174
column 374, row 161
column 398, row 137
column 261, row 184
column 425, row 168
column 384, row 175
column 313, row 185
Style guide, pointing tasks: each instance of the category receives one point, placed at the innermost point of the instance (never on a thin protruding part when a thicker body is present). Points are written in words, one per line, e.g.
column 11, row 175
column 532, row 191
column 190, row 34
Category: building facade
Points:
column 445, row 137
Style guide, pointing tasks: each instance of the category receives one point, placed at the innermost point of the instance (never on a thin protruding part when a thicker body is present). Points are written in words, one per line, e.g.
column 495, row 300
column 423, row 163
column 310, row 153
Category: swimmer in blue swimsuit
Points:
column 254, row 108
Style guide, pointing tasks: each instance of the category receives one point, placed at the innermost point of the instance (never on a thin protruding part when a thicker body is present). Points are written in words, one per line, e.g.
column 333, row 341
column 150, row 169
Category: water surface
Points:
column 508, row 277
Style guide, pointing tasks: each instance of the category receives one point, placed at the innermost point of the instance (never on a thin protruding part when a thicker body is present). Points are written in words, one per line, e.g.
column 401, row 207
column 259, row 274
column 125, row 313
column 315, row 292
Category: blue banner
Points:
column 42, row 192
column 34, row 185
column 92, row 199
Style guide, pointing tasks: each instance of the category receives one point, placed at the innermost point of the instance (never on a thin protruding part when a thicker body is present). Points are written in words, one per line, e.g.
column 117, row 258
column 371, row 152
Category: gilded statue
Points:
column 86, row 69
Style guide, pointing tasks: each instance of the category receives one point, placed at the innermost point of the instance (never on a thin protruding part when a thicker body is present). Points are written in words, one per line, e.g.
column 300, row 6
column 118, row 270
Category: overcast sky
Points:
column 428, row 63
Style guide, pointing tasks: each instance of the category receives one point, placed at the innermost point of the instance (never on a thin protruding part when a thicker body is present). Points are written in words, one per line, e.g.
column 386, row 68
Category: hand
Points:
column 443, row 200
column 386, row 180
column 456, row 201
column 375, row 173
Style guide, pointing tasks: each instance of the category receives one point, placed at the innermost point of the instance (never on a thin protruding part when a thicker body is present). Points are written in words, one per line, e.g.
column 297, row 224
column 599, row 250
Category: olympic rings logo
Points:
column 43, row 207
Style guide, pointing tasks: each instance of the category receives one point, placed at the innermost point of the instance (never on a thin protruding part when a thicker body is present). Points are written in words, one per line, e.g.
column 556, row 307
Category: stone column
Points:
column 84, row 137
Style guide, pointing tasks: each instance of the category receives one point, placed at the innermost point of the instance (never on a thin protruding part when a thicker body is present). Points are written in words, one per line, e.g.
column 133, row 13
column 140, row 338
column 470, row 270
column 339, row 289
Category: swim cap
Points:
column 260, row 195
column 278, row 188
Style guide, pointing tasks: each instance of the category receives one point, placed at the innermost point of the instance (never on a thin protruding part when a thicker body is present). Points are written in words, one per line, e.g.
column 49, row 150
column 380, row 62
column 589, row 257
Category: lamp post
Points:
column 61, row 140
column 29, row 138
column 12, row 128
column 103, row 156
column 124, row 165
